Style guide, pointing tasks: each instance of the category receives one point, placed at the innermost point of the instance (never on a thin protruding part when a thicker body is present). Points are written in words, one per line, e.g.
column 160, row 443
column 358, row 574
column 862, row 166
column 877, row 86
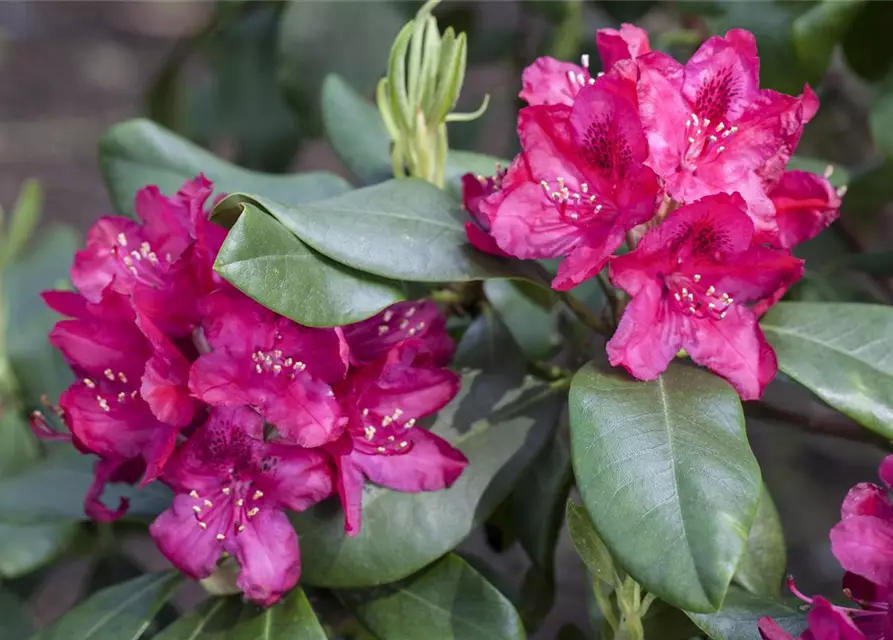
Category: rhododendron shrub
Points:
column 333, row 403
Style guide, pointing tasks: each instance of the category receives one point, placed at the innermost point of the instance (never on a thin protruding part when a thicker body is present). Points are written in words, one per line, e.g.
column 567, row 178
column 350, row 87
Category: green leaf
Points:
column 312, row 44
column 251, row 111
column 762, row 569
column 448, row 600
column 39, row 368
column 26, row 548
column 18, row 445
column 355, row 131
column 881, row 117
column 665, row 470
column 121, row 612
column 266, row 262
column 17, row 623
column 401, row 229
column 231, row 619
column 487, row 345
column 137, row 153
column 627, row 11
column 740, row 613
column 500, row 432
column 23, row 221
column 53, row 490
column 780, row 65
column 589, row 545
column 866, row 43
column 535, row 510
column 842, row 352
column 877, row 263
column 817, row 32
column 531, row 324
column 839, row 177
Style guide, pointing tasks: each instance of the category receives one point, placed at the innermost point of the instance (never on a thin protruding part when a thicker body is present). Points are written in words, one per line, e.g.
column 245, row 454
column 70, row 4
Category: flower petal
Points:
column 550, row 81
column 267, row 551
column 628, row 42
column 431, row 464
column 189, row 547
column 864, row 545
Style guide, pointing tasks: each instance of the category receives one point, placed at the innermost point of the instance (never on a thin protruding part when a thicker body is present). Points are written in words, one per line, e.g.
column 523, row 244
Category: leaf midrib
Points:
column 105, row 619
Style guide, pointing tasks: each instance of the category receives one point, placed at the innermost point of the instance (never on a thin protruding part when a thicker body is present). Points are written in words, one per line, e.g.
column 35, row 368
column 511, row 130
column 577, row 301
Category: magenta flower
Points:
column 232, row 491
column 690, row 280
column 629, row 42
column 586, row 182
column 711, row 129
column 371, row 339
column 476, row 190
column 164, row 264
column 826, row 622
column 266, row 361
column 104, row 410
column 805, row 204
column 384, row 401
column 550, row 81
column 863, row 540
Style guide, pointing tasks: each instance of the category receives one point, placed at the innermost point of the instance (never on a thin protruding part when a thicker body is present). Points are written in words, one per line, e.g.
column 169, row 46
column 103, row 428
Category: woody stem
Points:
column 582, row 312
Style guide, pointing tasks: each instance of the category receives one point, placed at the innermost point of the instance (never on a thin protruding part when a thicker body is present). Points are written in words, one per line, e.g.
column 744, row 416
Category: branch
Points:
column 829, row 424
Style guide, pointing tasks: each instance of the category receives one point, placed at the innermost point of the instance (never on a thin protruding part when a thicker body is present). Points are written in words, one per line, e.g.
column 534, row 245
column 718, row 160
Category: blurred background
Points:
column 243, row 79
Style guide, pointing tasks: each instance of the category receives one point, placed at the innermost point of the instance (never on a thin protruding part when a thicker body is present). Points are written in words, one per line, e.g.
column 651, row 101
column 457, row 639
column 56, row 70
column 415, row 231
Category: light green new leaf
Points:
column 401, row 229
column 740, row 614
column 762, row 569
column 842, row 352
column 266, row 262
column 665, row 470
column 500, row 432
column 137, row 153
column 121, row 612
column 448, row 600
column 233, row 619
column 359, row 138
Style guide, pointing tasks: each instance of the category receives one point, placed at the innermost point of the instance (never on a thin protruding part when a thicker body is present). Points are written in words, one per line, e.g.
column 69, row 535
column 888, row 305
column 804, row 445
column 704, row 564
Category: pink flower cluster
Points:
column 683, row 163
column 863, row 544
column 245, row 414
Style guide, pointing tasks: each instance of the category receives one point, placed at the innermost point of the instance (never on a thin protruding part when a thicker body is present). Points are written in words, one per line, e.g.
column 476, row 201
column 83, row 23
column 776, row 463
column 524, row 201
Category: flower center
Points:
column 273, row 362
column 696, row 299
column 142, row 262
column 575, row 207
column 109, row 394
column 235, row 504
column 383, row 435
column 705, row 139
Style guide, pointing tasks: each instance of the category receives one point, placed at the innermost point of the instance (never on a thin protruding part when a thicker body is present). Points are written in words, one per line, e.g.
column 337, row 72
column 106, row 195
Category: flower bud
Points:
column 416, row 98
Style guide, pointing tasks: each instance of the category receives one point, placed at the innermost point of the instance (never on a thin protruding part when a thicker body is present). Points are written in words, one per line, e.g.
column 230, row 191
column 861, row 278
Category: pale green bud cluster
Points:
column 416, row 98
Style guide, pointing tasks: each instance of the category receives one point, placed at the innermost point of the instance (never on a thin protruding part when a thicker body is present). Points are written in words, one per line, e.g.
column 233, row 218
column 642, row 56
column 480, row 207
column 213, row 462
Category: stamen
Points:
column 194, row 494
column 257, row 495
column 122, row 239
column 220, row 536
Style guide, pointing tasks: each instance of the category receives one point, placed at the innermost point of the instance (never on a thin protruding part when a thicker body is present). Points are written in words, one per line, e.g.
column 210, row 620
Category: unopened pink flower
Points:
column 690, row 279
column 232, row 490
